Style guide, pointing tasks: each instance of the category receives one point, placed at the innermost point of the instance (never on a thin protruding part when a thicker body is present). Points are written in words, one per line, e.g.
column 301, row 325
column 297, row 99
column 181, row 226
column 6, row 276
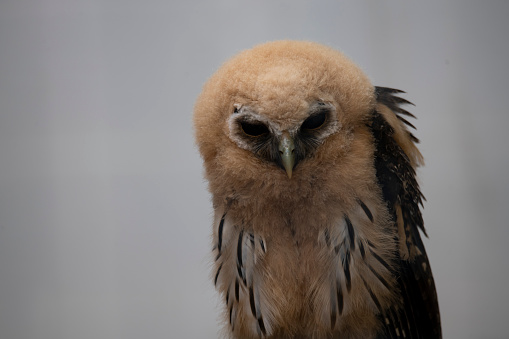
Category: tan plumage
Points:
column 311, row 171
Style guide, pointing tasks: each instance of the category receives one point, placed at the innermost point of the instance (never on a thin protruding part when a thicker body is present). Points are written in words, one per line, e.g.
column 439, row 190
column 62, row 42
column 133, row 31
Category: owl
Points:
column 317, row 220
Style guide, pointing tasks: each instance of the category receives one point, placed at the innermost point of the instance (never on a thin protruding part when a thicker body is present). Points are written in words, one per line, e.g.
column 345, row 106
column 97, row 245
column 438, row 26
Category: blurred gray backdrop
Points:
column 104, row 215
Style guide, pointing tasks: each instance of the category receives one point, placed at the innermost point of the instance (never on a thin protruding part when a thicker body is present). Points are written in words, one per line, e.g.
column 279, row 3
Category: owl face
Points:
column 283, row 146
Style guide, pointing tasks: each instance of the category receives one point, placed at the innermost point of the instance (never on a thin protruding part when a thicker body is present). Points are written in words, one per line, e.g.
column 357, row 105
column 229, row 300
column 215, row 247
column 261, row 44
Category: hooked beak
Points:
column 286, row 150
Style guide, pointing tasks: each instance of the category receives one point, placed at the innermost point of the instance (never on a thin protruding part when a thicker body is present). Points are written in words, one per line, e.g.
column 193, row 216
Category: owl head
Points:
column 284, row 116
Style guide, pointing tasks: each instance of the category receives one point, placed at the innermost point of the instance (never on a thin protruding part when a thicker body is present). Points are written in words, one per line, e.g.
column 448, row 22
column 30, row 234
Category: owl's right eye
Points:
column 254, row 129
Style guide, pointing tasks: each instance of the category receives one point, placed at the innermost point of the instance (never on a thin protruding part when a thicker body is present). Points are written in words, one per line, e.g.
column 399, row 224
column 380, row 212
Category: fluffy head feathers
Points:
column 280, row 81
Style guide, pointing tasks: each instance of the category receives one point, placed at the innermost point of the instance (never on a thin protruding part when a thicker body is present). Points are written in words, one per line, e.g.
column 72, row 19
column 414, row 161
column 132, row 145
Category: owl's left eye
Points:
column 315, row 121
column 254, row 129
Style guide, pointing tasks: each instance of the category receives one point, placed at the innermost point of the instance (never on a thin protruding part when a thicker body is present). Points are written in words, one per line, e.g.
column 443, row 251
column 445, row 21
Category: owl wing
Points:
column 417, row 316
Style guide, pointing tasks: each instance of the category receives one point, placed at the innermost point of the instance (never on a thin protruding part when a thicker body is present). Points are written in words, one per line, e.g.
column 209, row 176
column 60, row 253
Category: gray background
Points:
column 104, row 215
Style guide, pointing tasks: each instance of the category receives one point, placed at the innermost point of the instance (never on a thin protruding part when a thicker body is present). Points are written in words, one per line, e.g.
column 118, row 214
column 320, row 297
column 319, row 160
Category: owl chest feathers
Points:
column 300, row 273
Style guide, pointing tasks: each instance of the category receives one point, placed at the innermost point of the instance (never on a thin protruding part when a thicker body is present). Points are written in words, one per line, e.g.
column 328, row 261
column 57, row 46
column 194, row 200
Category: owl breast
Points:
column 320, row 276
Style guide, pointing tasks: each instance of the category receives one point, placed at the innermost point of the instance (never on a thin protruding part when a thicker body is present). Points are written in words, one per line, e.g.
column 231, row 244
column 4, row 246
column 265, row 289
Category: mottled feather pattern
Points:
column 345, row 245
column 352, row 258
column 240, row 277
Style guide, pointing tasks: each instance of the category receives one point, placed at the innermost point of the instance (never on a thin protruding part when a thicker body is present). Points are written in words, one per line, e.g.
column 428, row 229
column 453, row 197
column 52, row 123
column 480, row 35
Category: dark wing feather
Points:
column 417, row 316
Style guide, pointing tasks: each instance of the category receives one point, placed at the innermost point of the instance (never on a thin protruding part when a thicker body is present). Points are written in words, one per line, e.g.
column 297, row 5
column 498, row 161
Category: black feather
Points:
column 237, row 289
column 386, row 96
column 346, row 269
column 366, row 210
column 220, row 234
column 373, row 296
column 333, row 317
column 217, row 274
column 239, row 257
column 252, row 301
column 327, row 237
column 361, row 248
column 261, row 325
column 381, row 260
column 418, row 314
column 339, row 294
column 262, row 243
column 379, row 277
column 351, row 232
column 405, row 121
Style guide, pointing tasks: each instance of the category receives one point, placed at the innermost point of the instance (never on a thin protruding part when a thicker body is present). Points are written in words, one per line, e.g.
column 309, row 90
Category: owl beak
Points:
column 286, row 150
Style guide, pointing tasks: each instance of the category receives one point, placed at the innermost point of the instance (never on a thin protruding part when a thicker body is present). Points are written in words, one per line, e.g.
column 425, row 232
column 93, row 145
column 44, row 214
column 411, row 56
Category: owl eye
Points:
column 254, row 129
column 314, row 122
